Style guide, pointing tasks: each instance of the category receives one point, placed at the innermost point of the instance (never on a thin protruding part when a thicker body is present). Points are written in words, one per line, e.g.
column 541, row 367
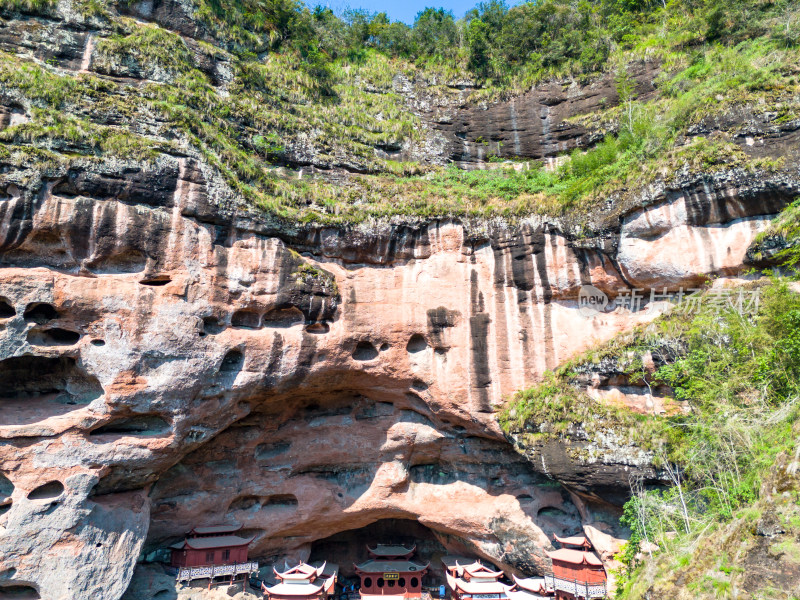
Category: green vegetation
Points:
column 530, row 41
column 50, row 127
column 26, row 6
column 298, row 86
column 160, row 54
column 551, row 409
column 740, row 373
column 783, row 236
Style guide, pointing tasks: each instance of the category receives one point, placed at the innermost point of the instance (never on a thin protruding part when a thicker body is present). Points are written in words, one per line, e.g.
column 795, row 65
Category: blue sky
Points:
column 401, row 10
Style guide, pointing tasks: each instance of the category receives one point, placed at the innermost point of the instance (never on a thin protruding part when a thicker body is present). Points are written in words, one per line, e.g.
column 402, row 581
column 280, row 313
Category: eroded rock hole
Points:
column 48, row 491
column 98, row 343
column 54, row 336
column 551, row 511
column 230, row 367
column 8, row 573
column 212, row 325
column 281, row 501
column 416, row 344
column 246, row 319
column 40, row 312
column 6, row 489
column 156, row 280
column 6, row 310
column 283, row 317
column 232, row 362
column 365, row 351
column 33, row 388
column 350, row 546
column 18, row 592
column 419, row 385
column 139, row 425
column 318, row 328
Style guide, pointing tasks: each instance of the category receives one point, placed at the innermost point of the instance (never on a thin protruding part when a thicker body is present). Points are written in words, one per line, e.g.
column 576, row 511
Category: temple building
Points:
column 391, row 572
column 303, row 582
column 577, row 571
column 215, row 545
column 471, row 579
column 210, row 552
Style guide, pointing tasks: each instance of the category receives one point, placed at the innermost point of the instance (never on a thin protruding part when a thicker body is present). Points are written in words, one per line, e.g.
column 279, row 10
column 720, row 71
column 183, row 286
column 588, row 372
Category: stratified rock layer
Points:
column 166, row 364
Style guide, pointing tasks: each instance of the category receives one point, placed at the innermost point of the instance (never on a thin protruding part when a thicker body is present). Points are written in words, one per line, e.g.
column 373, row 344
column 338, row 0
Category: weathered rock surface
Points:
column 168, row 359
column 167, row 369
column 534, row 124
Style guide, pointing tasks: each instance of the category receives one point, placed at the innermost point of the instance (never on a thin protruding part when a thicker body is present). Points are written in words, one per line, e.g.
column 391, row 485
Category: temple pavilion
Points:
column 211, row 552
column 303, row 582
column 471, row 579
column 577, row 570
column 389, row 572
column 215, row 545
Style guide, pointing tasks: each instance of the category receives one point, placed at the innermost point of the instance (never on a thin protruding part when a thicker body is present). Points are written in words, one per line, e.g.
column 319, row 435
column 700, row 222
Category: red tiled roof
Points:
column 576, row 540
column 472, row 587
column 532, row 584
column 295, row 589
column 328, row 568
column 575, row 557
column 216, row 529
column 477, row 569
column 391, row 550
column 217, row 541
column 301, row 572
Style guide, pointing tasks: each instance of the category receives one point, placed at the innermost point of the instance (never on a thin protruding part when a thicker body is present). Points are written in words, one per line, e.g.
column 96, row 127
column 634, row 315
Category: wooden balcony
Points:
column 579, row 589
column 212, row 571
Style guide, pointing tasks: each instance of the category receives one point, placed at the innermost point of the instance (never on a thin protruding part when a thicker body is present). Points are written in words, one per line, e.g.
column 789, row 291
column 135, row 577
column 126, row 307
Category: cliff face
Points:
column 169, row 359
column 164, row 365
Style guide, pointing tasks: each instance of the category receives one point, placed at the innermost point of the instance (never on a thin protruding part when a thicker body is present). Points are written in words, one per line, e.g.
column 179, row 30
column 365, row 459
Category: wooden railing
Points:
column 579, row 589
column 211, row 571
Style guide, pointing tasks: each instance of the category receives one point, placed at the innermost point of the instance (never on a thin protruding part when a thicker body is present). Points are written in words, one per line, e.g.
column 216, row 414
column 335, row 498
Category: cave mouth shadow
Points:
column 349, row 547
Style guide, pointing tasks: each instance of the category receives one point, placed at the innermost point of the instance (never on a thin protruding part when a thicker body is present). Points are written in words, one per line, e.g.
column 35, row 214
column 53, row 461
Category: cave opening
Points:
column 6, row 309
column 12, row 591
column 40, row 313
column 156, row 280
column 48, row 491
column 33, row 388
column 349, row 547
column 246, row 319
column 138, row 425
column 54, row 336
column 6, row 490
